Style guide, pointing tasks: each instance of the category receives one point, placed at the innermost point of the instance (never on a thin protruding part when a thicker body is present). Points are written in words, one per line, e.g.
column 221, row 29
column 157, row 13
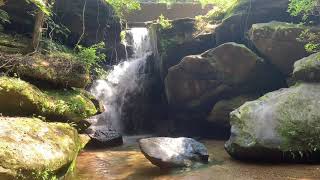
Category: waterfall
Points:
column 123, row 80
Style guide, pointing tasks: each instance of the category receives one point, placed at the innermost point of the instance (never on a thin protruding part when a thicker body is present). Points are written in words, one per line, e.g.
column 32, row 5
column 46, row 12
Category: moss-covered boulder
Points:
column 278, row 42
column 307, row 69
column 219, row 116
column 223, row 71
column 13, row 44
column 20, row 98
column 57, row 70
column 33, row 149
column 244, row 13
column 282, row 125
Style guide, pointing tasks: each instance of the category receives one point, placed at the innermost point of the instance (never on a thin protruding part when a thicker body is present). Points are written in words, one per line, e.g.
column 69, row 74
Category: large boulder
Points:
column 307, row 69
column 173, row 152
column 282, row 125
column 219, row 116
column 23, row 99
column 216, row 74
column 248, row 12
column 32, row 149
column 49, row 69
column 278, row 42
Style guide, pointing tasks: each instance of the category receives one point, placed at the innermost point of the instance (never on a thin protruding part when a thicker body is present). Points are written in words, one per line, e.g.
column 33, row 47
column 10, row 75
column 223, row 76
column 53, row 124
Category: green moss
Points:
column 26, row 99
column 299, row 125
column 13, row 43
column 46, row 151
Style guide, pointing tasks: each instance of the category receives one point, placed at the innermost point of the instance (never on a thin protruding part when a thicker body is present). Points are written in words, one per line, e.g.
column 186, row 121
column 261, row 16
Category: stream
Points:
column 127, row 162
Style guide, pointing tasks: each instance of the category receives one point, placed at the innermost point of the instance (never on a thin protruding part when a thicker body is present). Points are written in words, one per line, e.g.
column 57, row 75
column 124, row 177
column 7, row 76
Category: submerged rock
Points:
column 282, row 125
column 173, row 152
column 102, row 137
column 24, row 99
column 229, row 69
column 32, row 149
column 278, row 42
column 307, row 69
column 219, row 116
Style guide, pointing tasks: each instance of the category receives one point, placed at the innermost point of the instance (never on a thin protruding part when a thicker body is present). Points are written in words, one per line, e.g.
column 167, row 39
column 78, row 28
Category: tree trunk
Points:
column 37, row 31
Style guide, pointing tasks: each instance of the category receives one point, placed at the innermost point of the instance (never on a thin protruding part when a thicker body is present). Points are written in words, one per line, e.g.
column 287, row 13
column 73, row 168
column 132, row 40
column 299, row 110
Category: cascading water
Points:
column 122, row 81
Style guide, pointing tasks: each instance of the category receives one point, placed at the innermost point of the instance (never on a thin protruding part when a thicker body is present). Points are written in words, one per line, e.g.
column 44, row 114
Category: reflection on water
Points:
column 127, row 162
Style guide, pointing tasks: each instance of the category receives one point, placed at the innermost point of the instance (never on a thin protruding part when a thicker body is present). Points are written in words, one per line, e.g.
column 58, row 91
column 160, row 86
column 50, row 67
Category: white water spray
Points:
column 122, row 81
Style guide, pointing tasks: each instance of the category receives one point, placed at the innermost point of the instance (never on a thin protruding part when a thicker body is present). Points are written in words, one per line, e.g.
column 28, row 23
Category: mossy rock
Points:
column 307, row 69
column 219, row 116
column 280, row 126
column 33, row 149
column 278, row 42
column 18, row 97
column 13, row 44
column 244, row 13
column 57, row 70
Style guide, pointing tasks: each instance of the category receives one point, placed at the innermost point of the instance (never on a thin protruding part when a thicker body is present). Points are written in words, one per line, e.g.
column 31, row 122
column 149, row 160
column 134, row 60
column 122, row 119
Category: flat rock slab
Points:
column 166, row 152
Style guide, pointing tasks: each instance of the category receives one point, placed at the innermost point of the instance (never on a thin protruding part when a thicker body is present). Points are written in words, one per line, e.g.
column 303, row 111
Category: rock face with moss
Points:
column 278, row 42
column 247, row 12
column 54, row 70
column 228, row 69
column 307, row 69
column 23, row 99
column 32, row 149
column 219, row 116
column 178, row 41
column 282, row 125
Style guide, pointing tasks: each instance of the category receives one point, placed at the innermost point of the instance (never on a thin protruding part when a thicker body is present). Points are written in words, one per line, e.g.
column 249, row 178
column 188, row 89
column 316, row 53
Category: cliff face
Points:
column 100, row 22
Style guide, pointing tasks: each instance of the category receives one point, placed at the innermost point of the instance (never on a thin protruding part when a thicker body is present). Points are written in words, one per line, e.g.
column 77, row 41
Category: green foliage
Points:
column 4, row 17
column 41, row 5
column 312, row 40
column 91, row 55
column 306, row 8
column 123, row 35
column 302, row 7
column 164, row 22
column 123, row 7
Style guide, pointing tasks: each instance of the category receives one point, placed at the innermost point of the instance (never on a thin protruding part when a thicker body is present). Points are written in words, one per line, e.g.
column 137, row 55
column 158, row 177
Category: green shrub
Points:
column 91, row 55
column 164, row 22
column 123, row 7
column 302, row 7
column 306, row 8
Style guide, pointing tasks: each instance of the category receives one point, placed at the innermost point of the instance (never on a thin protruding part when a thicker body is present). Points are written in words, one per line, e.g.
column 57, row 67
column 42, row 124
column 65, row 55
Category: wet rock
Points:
column 230, row 69
column 173, row 152
column 307, row 69
column 102, row 137
column 32, row 149
column 282, row 125
column 219, row 116
column 278, row 42
column 24, row 99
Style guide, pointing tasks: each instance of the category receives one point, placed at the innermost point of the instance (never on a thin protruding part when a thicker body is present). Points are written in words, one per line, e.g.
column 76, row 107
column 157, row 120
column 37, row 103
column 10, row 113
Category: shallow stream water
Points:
column 127, row 162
